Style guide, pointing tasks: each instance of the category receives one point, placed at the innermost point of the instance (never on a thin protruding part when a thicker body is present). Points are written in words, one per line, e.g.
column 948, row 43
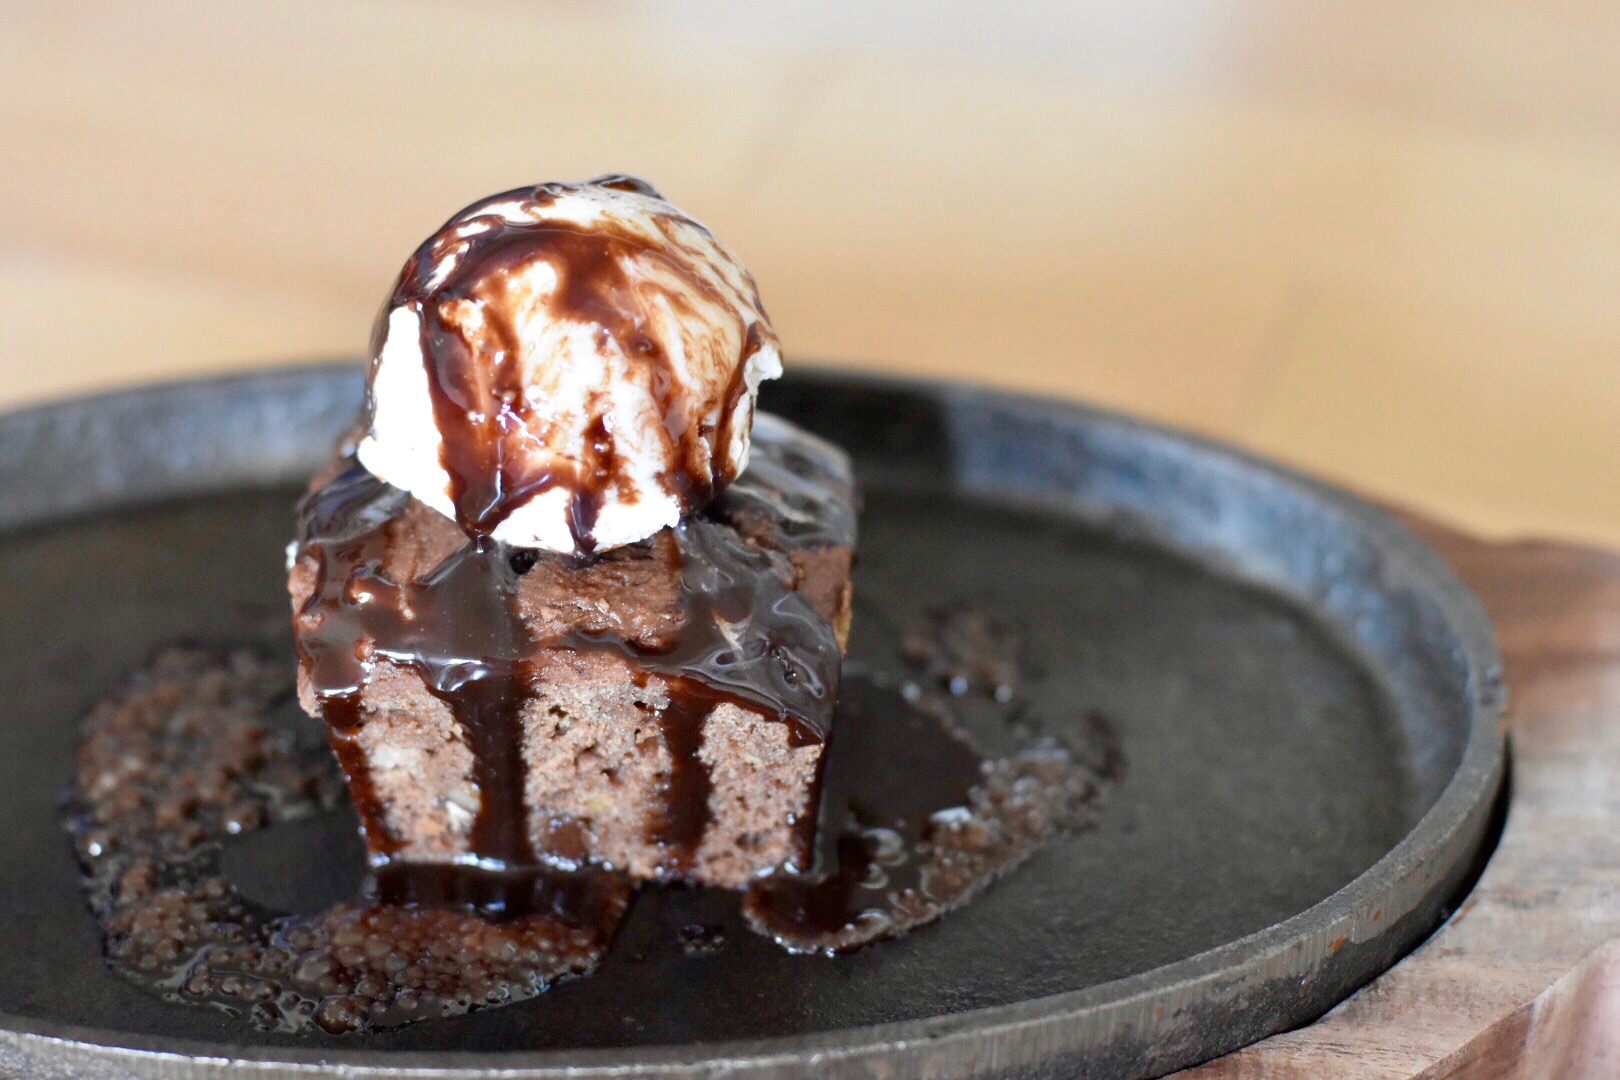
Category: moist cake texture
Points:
column 660, row 709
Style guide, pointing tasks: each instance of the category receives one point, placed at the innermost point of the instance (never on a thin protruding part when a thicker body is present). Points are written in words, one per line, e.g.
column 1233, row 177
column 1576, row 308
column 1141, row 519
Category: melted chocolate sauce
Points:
column 746, row 637
column 798, row 492
column 507, row 893
column 624, row 182
column 201, row 749
column 196, row 751
column 478, row 372
column 686, row 791
column 457, row 628
column 915, row 822
column 721, row 438
column 874, row 805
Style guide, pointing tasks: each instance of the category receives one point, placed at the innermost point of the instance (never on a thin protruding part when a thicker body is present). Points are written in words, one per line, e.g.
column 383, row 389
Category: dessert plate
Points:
column 1306, row 698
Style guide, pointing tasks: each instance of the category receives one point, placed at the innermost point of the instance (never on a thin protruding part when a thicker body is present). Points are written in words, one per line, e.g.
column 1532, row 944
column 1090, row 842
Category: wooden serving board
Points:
column 1524, row 980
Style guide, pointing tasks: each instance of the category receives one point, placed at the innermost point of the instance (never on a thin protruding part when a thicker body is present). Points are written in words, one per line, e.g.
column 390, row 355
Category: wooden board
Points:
column 1524, row 981
column 1379, row 240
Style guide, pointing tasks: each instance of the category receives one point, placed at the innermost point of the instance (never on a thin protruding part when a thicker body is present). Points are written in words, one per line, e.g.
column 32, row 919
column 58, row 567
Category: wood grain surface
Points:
column 1378, row 239
column 1524, row 981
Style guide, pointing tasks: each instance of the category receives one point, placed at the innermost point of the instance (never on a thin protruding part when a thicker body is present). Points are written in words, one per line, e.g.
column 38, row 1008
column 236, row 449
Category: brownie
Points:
column 660, row 709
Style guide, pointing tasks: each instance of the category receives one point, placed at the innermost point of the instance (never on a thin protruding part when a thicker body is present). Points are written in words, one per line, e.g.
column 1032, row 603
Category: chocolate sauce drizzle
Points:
column 781, row 659
column 916, row 821
column 456, row 628
column 202, row 750
column 798, row 491
column 478, row 375
column 746, row 637
column 197, row 751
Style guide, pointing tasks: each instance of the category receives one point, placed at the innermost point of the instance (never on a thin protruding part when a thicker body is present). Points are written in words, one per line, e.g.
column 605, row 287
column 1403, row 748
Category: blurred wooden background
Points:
column 1377, row 239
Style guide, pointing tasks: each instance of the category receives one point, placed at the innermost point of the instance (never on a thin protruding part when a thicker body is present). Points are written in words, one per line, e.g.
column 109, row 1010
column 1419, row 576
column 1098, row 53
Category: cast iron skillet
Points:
column 1308, row 702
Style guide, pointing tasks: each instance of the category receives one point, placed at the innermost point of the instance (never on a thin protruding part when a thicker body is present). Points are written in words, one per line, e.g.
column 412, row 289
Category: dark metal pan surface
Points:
column 1308, row 703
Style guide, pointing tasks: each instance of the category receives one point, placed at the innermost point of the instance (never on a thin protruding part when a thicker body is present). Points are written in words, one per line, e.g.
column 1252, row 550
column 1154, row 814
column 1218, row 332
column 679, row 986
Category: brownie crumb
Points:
column 661, row 708
column 903, row 846
column 200, row 746
column 197, row 748
column 701, row 939
column 964, row 651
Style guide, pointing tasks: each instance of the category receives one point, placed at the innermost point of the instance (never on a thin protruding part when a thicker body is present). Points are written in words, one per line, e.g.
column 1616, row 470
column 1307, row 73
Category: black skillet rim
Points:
column 1176, row 1014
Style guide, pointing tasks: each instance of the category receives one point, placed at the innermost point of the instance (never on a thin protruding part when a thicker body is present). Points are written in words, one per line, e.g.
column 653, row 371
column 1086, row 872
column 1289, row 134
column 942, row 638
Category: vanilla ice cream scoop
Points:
column 568, row 366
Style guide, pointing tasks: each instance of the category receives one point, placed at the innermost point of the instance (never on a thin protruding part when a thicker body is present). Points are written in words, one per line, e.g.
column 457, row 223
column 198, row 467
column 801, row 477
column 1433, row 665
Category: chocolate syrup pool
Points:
column 202, row 751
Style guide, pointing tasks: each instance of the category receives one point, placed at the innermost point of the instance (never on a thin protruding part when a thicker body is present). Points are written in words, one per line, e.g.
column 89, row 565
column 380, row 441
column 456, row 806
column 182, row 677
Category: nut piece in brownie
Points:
column 661, row 709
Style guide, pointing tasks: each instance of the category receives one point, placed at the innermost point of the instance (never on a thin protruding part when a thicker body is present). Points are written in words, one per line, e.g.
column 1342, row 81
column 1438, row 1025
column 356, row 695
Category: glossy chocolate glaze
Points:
column 803, row 494
column 202, row 750
column 477, row 373
column 916, row 820
column 746, row 637
column 456, row 628
column 506, row 894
